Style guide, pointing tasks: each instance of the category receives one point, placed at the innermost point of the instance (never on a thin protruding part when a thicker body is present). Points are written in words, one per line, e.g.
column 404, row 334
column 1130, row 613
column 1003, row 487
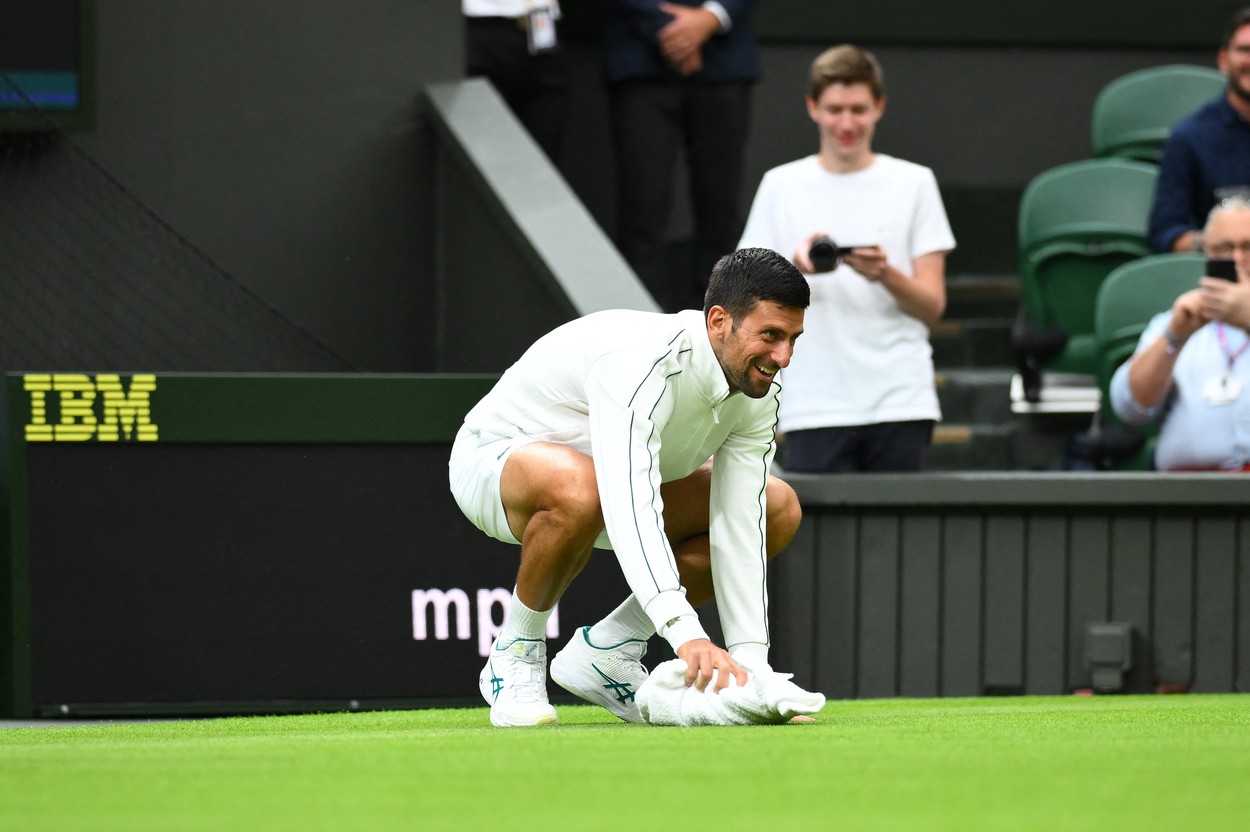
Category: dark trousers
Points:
column 653, row 123
column 535, row 87
column 888, row 446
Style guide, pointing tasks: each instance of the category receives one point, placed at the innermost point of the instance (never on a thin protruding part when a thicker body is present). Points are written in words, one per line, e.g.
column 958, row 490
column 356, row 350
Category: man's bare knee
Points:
column 573, row 492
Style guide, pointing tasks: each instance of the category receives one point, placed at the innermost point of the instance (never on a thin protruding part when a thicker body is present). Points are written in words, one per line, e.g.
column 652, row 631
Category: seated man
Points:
column 1206, row 152
column 600, row 436
column 1191, row 371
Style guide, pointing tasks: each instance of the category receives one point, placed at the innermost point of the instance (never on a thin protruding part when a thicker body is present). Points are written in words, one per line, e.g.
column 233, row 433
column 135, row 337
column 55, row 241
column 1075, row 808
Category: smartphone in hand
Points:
column 1222, row 269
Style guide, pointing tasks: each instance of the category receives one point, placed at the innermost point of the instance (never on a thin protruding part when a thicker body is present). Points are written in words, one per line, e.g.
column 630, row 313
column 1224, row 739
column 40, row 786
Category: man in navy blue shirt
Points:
column 1207, row 151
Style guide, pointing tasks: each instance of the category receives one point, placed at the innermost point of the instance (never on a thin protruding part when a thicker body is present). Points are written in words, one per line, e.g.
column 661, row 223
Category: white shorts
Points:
column 474, row 471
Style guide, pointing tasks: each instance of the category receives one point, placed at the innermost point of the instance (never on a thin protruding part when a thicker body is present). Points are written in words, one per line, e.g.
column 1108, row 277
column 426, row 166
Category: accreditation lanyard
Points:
column 1225, row 390
column 541, row 26
column 1231, row 356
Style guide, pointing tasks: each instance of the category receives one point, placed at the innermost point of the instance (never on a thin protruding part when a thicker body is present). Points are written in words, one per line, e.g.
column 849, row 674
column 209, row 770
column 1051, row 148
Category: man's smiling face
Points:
column 752, row 349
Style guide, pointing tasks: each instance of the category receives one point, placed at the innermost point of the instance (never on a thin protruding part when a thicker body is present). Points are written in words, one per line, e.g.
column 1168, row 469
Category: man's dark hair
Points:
column 747, row 276
column 1240, row 18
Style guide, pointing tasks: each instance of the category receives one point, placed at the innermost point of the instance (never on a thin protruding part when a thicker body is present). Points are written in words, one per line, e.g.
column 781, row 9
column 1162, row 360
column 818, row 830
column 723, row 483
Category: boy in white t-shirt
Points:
column 861, row 395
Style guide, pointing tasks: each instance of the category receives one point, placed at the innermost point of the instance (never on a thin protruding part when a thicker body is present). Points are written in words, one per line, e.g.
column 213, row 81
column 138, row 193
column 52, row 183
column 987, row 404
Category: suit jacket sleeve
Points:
column 646, row 14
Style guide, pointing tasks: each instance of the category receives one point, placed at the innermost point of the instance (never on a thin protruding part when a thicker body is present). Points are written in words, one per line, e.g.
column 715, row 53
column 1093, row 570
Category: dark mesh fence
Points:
column 92, row 279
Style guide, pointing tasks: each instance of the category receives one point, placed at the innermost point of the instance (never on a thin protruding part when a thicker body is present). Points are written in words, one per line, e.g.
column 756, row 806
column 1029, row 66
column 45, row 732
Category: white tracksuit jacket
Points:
column 645, row 396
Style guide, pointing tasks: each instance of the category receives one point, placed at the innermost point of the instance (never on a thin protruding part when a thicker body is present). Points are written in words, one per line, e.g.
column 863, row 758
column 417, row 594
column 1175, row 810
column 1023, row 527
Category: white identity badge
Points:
column 1222, row 391
column 542, row 31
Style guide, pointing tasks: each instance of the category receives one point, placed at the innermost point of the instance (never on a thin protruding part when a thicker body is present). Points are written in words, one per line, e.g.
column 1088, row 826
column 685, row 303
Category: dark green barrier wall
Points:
column 285, row 543
column 965, row 584
column 245, row 544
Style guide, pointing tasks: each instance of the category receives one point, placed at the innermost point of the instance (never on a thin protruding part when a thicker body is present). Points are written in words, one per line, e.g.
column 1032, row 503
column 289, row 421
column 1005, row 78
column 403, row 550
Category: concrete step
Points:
column 976, row 329
column 1038, row 442
column 975, row 396
column 975, row 367
column 964, row 447
column 981, row 342
column 970, row 296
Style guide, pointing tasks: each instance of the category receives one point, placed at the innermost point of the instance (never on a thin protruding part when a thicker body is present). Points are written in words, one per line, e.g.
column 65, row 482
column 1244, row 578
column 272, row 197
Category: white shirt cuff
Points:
column 674, row 619
column 723, row 16
column 682, row 629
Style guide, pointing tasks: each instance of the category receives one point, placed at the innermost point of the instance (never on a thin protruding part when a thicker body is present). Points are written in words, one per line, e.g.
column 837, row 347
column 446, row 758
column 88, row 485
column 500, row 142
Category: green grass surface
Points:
column 1132, row 763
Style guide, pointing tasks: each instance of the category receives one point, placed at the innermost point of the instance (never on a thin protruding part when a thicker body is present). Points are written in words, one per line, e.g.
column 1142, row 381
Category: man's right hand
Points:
column 1225, row 301
column 1188, row 314
column 682, row 38
column 802, row 254
column 702, row 658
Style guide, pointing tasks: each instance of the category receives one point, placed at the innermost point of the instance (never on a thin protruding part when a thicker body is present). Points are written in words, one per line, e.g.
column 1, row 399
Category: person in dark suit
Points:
column 679, row 78
column 514, row 44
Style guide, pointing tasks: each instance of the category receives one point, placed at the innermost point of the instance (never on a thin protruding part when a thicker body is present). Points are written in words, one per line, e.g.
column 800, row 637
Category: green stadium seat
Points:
column 1077, row 223
column 1130, row 296
column 1133, row 115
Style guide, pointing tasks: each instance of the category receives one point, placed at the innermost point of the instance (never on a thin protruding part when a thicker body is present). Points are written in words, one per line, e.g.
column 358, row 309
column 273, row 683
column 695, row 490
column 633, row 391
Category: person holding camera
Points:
column 871, row 233
column 1191, row 370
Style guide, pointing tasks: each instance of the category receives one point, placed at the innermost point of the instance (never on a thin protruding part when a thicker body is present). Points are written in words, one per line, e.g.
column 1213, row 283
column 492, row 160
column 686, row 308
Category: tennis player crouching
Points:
column 651, row 435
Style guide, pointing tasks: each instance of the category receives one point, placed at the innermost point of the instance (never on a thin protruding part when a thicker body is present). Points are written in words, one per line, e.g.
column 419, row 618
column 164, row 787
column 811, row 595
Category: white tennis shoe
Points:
column 514, row 684
column 607, row 676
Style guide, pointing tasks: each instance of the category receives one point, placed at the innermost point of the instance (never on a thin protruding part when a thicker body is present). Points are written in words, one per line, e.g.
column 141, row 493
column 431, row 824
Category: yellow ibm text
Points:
column 91, row 407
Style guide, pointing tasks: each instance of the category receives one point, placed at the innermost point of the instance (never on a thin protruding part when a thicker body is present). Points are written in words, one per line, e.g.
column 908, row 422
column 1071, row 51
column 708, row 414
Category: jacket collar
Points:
column 707, row 369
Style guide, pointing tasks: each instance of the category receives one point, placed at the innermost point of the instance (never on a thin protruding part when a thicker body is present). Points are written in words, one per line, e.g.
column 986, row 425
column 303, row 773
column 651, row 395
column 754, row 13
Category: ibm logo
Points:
column 99, row 407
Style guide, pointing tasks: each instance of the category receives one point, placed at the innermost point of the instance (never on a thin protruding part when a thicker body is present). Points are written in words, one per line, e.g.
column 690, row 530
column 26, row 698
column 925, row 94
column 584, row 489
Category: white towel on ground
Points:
column 768, row 698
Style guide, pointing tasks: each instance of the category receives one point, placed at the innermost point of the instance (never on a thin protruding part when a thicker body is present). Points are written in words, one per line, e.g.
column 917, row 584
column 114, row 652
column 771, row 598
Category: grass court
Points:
column 1022, row 763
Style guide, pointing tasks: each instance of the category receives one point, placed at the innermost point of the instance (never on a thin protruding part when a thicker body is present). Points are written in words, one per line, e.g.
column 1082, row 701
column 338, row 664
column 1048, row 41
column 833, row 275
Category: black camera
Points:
column 825, row 254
